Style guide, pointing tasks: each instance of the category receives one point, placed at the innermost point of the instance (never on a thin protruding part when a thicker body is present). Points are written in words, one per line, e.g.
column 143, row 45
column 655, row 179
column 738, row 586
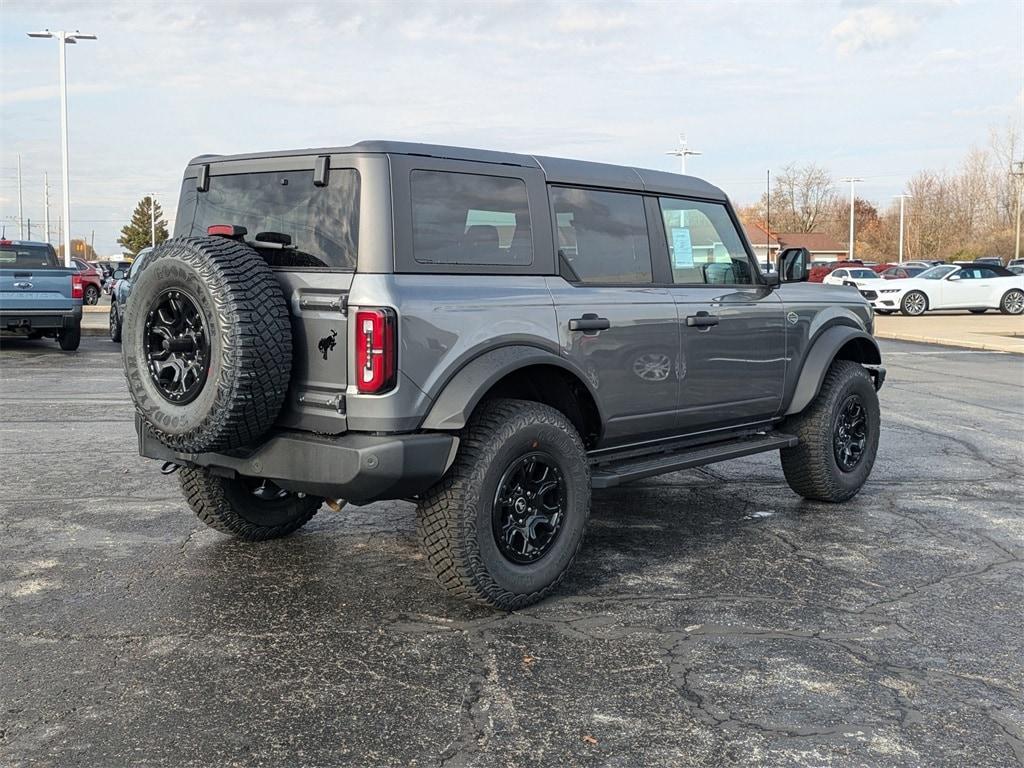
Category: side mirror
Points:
column 794, row 265
column 119, row 274
column 954, row 277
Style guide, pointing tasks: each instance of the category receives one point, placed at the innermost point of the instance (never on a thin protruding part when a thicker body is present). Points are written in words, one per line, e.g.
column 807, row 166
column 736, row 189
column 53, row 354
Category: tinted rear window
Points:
column 466, row 218
column 28, row 257
column 322, row 222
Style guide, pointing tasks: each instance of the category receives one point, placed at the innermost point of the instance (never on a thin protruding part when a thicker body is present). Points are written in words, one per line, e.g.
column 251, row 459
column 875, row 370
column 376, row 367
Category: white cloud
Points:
column 880, row 25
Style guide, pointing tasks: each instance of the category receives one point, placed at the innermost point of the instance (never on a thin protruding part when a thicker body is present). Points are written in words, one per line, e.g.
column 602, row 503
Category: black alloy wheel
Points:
column 529, row 508
column 177, row 347
column 850, row 434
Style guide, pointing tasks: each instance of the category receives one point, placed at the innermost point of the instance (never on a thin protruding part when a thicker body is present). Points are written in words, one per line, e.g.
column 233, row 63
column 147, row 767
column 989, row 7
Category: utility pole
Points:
column 902, row 198
column 92, row 243
column 1018, row 173
column 682, row 152
column 21, row 211
column 60, row 234
column 64, row 39
column 152, row 220
column 46, row 205
column 853, row 181
column 29, row 230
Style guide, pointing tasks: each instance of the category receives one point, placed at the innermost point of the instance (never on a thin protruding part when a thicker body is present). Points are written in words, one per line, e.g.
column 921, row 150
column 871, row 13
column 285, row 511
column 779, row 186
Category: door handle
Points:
column 589, row 322
column 701, row 320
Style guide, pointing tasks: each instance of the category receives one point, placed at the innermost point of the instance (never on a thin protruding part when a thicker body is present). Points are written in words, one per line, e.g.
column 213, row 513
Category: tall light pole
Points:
column 21, row 212
column 46, row 204
column 64, row 39
column 1018, row 173
column 852, row 180
column 902, row 198
column 682, row 152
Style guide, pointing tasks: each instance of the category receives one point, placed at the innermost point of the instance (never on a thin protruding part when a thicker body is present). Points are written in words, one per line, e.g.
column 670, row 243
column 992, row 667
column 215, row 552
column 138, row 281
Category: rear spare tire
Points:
column 207, row 344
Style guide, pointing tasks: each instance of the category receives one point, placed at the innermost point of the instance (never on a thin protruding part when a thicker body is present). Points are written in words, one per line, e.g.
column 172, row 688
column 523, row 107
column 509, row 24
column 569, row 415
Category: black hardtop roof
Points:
column 556, row 170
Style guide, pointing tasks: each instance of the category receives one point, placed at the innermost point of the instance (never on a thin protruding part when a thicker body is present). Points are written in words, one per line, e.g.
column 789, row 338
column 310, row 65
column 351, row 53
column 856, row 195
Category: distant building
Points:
column 764, row 243
column 767, row 244
column 821, row 246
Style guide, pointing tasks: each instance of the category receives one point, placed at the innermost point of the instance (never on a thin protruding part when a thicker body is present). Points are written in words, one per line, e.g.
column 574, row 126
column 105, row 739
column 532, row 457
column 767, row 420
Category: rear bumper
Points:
column 40, row 319
column 357, row 467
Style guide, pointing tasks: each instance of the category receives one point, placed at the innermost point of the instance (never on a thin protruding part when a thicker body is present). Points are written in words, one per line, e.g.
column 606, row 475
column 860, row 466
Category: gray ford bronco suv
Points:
column 489, row 335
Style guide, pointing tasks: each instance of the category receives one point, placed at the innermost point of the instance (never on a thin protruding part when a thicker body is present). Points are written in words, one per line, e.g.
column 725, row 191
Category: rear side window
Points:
column 602, row 236
column 322, row 223
column 466, row 218
column 28, row 257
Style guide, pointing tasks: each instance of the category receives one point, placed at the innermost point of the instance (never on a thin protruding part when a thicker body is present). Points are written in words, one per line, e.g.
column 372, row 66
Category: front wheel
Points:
column 247, row 508
column 505, row 523
column 838, row 435
column 914, row 304
column 1012, row 303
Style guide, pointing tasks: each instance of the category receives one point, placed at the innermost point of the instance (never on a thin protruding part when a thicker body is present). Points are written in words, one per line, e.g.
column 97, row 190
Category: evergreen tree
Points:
column 138, row 234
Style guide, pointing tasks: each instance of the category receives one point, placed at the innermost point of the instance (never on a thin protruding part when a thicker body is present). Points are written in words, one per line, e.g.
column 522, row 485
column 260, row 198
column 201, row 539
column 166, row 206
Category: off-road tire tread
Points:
column 446, row 514
column 205, row 494
column 807, row 467
column 257, row 333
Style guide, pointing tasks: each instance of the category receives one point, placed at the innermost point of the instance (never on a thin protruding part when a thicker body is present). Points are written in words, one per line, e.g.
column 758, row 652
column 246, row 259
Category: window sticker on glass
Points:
column 682, row 247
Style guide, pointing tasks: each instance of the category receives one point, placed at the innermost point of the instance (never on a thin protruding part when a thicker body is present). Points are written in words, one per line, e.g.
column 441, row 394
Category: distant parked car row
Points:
column 974, row 286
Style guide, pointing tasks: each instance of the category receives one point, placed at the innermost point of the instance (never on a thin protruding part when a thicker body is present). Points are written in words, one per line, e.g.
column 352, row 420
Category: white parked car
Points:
column 867, row 281
column 974, row 287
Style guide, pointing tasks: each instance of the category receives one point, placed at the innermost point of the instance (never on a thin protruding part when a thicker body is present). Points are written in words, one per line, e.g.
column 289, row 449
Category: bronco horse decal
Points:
column 327, row 343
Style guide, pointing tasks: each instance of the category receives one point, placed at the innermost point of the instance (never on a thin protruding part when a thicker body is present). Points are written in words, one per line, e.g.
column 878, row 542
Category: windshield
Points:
column 863, row 274
column 937, row 273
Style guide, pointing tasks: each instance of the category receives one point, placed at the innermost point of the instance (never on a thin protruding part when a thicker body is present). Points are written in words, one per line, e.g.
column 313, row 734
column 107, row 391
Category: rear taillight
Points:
column 77, row 291
column 376, row 350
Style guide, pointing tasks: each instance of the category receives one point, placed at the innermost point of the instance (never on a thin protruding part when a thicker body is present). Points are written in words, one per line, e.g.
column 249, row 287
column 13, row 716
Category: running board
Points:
column 612, row 473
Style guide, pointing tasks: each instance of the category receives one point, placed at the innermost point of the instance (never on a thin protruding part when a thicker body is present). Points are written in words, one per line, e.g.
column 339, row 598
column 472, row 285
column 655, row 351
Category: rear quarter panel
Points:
column 444, row 321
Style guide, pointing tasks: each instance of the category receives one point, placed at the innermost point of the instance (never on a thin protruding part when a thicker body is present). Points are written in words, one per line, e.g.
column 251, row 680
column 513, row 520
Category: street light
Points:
column 682, row 153
column 902, row 198
column 852, row 180
column 64, row 38
column 1017, row 169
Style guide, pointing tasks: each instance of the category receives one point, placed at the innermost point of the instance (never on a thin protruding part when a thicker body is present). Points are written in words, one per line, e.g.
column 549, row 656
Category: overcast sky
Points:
column 880, row 90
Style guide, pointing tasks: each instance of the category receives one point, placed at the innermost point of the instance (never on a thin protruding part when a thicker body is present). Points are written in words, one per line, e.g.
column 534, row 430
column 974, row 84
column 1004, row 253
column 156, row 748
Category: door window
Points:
column 602, row 236
column 704, row 245
column 467, row 218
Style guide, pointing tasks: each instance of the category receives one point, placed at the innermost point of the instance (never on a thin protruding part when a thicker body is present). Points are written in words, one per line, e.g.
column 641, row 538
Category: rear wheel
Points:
column 838, row 435
column 245, row 507
column 92, row 294
column 70, row 338
column 1013, row 302
column 914, row 303
column 504, row 525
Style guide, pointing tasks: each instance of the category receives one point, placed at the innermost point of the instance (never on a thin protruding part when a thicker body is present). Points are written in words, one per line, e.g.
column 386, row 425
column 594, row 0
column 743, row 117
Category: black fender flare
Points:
column 817, row 361
column 461, row 394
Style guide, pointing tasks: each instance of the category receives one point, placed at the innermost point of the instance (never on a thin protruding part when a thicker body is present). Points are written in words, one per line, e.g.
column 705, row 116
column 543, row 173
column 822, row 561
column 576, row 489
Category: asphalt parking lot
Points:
column 713, row 618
